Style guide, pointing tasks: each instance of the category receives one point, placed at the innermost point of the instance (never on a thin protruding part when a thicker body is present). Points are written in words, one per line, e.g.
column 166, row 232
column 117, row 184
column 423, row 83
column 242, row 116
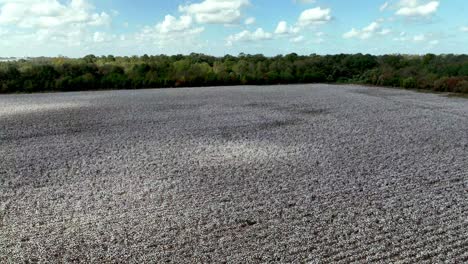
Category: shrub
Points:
column 462, row 87
column 409, row 83
column 440, row 85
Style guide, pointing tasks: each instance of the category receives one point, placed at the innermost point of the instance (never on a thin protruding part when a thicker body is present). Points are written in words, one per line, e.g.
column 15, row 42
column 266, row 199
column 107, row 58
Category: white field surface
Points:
column 286, row 174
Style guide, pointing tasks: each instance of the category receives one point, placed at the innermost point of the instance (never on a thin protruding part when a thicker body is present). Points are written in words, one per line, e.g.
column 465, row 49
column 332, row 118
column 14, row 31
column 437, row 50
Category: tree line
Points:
column 443, row 73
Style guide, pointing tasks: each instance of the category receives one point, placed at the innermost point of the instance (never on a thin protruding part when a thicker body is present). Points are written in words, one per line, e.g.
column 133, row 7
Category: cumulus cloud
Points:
column 216, row 11
column 352, row 33
column 171, row 29
column 98, row 37
column 384, row 32
column 367, row 32
column 59, row 25
column 171, row 24
column 170, row 35
column 249, row 36
column 401, row 37
column 319, row 37
column 102, row 37
column 310, row 17
column 304, row 1
column 414, row 8
column 50, row 14
column 384, row 6
column 250, row 21
column 297, row 39
column 283, row 29
column 314, row 16
column 428, row 38
column 419, row 38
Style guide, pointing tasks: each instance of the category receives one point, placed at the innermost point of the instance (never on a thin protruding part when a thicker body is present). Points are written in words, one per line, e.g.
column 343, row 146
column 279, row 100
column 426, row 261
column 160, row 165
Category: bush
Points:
column 440, row 85
column 4, row 88
column 409, row 83
column 447, row 84
column 462, row 87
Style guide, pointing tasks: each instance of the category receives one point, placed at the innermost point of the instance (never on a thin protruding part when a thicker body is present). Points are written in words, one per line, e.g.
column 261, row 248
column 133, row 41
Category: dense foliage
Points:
column 445, row 73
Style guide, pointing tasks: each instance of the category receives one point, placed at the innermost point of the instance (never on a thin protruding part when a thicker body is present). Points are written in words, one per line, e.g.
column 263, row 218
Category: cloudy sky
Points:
column 218, row 27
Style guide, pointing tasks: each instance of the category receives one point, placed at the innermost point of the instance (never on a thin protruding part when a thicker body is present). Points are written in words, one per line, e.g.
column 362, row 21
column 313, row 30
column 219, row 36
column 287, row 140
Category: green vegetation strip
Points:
column 441, row 73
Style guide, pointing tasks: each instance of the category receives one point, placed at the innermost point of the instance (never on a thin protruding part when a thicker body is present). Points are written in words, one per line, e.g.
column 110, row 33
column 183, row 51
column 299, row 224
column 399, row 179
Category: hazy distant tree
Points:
column 90, row 58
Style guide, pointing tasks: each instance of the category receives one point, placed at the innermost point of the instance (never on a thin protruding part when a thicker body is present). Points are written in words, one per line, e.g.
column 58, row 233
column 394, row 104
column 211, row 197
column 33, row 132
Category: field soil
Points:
column 301, row 173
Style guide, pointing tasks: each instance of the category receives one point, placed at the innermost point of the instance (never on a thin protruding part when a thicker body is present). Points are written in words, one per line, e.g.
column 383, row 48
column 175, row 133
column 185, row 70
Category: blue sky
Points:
column 218, row 27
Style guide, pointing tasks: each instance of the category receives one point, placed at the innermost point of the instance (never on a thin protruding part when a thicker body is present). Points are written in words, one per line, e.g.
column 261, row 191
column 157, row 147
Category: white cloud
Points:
column 297, row 39
column 249, row 36
column 51, row 25
column 98, row 37
column 384, row 32
column 314, row 16
column 283, row 29
column 408, row 3
column 101, row 37
column 401, row 37
column 413, row 8
column 352, row 33
column 304, row 1
column 216, row 11
column 372, row 27
column 419, row 38
column 428, row 38
column 384, row 6
column 50, row 14
column 171, row 35
column 250, row 21
column 172, row 24
column 367, row 32
column 464, row 29
column 170, row 29
column 319, row 38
